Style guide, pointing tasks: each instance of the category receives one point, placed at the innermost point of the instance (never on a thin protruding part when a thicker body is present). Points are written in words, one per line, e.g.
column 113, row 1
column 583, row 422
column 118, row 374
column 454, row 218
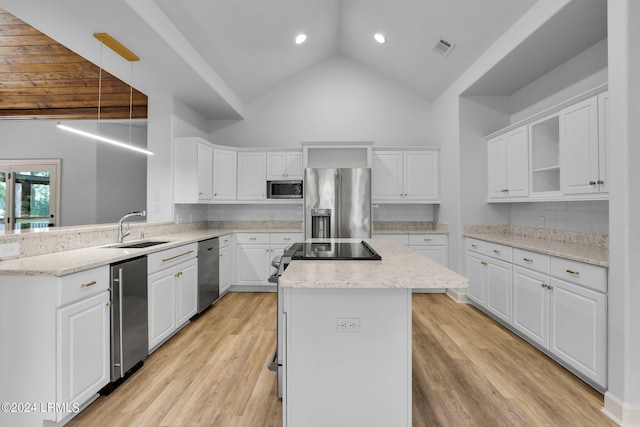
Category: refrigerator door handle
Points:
column 337, row 226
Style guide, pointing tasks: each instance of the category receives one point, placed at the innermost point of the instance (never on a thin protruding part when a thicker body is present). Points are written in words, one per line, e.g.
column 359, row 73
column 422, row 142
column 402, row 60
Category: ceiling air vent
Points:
column 443, row 47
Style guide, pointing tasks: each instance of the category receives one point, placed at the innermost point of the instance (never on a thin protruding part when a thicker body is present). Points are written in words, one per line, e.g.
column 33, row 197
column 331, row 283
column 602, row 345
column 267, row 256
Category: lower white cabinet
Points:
column 226, row 263
column 172, row 291
column 57, row 330
column 433, row 246
column 560, row 305
column 254, row 253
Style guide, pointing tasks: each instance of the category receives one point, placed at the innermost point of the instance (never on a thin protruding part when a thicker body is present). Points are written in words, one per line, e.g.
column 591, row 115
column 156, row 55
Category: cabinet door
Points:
column 387, row 176
column 162, row 307
column 252, row 264
column 252, row 182
column 421, row 175
column 83, row 349
column 603, row 142
column 205, row 172
column 294, row 165
column 497, row 167
column 517, row 158
column 578, row 328
column 436, row 253
column 186, row 286
column 530, row 305
column 224, row 174
column 225, row 269
column 476, row 272
column 276, row 165
column 499, row 289
column 579, row 148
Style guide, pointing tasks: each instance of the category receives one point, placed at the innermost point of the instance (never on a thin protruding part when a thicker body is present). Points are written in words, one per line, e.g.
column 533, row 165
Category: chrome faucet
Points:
column 122, row 233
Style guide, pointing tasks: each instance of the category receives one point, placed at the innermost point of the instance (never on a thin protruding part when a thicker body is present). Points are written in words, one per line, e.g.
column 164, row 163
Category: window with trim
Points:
column 29, row 194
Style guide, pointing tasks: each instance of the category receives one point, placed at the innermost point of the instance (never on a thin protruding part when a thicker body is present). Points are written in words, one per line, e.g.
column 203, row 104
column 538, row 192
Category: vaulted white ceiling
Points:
column 218, row 55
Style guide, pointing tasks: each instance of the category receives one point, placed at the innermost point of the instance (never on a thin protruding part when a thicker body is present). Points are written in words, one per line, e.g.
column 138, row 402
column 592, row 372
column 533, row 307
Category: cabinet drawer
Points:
column 224, row 241
column 401, row 238
column 476, row 245
column 82, row 285
column 533, row 260
column 587, row 275
column 285, row 238
column 252, row 238
column 498, row 251
column 427, row 239
column 170, row 257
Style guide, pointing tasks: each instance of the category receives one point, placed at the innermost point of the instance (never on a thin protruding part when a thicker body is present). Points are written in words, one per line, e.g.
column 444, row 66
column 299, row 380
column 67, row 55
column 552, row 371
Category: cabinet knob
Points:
column 544, row 285
column 474, row 246
column 215, row 194
column 592, row 183
column 483, row 262
column 549, row 287
column 505, row 190
column 600, row 182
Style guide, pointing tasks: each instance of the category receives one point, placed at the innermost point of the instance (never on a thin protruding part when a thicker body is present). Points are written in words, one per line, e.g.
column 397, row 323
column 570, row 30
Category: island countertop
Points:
column 400, row 267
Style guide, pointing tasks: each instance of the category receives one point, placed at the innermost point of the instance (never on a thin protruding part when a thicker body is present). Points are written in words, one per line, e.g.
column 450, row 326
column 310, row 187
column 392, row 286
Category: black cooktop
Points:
column 344, row 251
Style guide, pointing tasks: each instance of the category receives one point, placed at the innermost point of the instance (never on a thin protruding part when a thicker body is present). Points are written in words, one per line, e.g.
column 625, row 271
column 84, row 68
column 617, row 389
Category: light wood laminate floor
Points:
column 467, row 371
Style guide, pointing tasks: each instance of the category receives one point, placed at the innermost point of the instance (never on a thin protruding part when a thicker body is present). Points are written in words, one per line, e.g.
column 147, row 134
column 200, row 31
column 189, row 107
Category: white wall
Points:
column 579, row 74
column 336, row 100
column 83, row 199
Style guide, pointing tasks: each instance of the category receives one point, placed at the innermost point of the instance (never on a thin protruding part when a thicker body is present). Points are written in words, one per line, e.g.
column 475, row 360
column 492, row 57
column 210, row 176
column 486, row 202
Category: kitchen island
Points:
column 347, row 358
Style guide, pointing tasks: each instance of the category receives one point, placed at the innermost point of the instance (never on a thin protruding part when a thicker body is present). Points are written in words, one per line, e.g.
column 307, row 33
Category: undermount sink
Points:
column 137, row 245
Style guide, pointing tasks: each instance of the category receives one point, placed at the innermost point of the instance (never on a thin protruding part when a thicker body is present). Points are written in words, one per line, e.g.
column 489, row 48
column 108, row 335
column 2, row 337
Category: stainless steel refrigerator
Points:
column 337, row 202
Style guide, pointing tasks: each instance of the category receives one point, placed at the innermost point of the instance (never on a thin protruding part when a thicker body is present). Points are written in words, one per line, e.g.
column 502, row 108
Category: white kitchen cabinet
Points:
column 254, row 253
column 57, row 330
column 490, row 278
column 508, row 164
column 283, row 165
column 579, row 151
column 193, row 170
column 252, row 175
column 172, row 291
column 603, row 142
column 405, row 176
column 578, row 328
column 224, row 174
column 226, row 263
column 83, row 348
column 530, row 305
column 558, row 304
column 433, row 246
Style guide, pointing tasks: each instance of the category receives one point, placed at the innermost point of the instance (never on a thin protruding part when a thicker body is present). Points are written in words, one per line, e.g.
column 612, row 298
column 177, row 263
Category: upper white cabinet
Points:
column 252, row 176
column 579, row 148
column 405, row 176
column 193, row 170
column 560, row 154
column 224, row 174
column 282, row 165
column 508, row 164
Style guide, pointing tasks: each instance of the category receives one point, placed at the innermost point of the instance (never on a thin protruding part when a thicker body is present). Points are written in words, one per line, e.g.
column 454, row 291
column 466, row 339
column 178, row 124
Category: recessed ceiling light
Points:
column 300, row 38
column 380, row 38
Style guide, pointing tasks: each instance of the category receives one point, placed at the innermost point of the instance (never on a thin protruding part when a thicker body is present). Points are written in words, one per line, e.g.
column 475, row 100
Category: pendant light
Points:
column 117, row 47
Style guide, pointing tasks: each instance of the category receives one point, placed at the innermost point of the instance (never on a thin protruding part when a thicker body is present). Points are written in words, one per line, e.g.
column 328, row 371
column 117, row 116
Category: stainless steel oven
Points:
column 287, row 189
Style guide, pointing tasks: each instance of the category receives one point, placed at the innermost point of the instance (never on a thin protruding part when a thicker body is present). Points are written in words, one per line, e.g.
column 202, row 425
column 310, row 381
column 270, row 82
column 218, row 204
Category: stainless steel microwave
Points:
column 289, row 189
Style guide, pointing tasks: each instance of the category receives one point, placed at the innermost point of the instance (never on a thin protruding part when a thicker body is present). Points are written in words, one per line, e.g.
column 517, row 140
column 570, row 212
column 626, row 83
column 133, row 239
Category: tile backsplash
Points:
column 579, row 216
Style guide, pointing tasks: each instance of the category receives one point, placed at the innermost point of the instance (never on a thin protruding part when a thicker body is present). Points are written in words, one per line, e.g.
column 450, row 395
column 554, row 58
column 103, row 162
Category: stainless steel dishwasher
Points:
column 208, row 273
column 129, row 320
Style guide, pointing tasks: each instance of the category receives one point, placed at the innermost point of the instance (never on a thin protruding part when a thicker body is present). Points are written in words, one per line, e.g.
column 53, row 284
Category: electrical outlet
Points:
column 9, row 249
column 348, row 325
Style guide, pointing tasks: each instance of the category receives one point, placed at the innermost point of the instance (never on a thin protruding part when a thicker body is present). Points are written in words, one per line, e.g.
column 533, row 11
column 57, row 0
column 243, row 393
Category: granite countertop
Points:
column 415, row 227
column 400, row 267
column 594, row 255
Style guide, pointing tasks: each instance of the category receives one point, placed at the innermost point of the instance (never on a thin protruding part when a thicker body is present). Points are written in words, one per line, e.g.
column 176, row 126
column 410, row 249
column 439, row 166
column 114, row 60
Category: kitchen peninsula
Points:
column 348, row 336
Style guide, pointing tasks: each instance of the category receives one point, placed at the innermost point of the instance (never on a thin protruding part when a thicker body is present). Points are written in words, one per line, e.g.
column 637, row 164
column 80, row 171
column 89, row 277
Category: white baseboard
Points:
column 249, row 288
column 458, row 295
column 623, row 414
column 428, row 290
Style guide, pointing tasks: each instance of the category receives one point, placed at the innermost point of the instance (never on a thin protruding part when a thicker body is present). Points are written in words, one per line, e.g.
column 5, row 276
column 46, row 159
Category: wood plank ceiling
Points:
column 40, row 78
